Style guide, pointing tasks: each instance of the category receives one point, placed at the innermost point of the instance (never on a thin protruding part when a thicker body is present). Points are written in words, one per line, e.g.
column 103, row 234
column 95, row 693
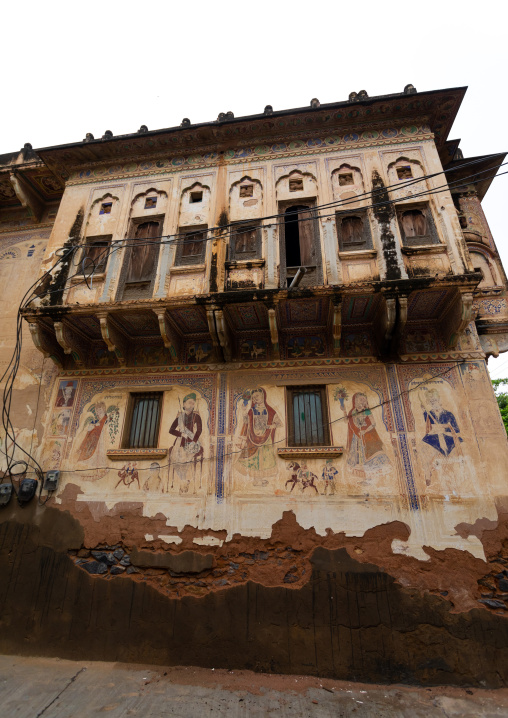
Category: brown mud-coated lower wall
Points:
column 350, row 620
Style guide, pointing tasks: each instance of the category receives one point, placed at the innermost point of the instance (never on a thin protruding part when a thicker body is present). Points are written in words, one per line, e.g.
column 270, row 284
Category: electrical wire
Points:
column 13, row 365
column 188, row 236
column 385, row 188
column 108, row 251
column 284, row 440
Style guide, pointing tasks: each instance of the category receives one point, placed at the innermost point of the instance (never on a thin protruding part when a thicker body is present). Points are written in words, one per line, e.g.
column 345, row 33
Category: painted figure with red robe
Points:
column 366, row 457
column 93, row 435
column 259, row 422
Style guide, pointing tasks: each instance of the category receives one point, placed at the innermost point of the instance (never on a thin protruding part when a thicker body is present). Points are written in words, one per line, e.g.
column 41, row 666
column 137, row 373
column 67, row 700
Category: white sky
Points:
column 77, row 67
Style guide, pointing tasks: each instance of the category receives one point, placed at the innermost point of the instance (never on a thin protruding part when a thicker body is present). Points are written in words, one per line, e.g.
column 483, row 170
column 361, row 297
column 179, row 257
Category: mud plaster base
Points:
column 348, row 619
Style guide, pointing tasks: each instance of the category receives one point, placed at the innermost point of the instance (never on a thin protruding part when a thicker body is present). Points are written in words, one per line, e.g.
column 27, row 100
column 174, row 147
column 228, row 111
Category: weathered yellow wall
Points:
column 21, row 253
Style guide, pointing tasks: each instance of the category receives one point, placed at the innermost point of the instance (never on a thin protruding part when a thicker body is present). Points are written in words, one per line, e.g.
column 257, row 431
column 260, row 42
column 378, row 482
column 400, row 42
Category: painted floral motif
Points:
column 491, row 306
column 340, row 395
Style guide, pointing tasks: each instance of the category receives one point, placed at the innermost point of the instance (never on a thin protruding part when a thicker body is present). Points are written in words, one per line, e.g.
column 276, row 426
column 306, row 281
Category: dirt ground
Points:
column 54, row 688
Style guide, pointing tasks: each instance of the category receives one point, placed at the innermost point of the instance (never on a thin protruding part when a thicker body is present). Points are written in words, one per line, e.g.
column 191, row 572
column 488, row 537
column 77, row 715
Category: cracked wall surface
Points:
column 385, row 559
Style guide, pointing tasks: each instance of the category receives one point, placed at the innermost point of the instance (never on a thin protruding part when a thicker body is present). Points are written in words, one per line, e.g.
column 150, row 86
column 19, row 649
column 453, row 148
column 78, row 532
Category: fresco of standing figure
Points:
column 366, row 458
column 442, row 438
column 186, row 454
column 259, row 423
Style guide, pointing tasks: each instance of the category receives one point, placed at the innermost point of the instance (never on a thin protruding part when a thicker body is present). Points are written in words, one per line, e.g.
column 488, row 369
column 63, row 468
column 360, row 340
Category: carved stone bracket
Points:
column 274, row 332
column 459, row 315
column 393, row 323
column 168, row 335
column 27, row 196
column 336, row 326
column 224, row 334
column 400, row 323
column 114, row 340
column 71, row 343
column 45, row 342
column 210, row 317
column 389, row 323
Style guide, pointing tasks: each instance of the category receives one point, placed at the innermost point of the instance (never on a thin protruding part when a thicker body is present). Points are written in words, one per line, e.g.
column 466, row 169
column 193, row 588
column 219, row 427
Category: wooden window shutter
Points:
column 144, row 256
column 307, row 238
column 414, row 223
column 420, row 224
column 192, row 248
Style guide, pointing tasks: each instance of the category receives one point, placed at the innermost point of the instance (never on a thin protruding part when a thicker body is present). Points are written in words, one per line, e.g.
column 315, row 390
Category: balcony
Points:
column 248, row 324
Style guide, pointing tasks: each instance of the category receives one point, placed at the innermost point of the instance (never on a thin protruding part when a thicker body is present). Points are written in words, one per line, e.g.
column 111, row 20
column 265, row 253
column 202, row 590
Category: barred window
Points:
column 145, row 419
column 353, row 232
column 191, row 246
column 245, row 241
column 95, row 256
column 307, row 416
column 417, row 225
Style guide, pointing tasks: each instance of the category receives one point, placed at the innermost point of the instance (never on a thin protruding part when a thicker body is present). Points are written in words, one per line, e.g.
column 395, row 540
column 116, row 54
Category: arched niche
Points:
column 245, row 199
column 402, row 174
column 347, row 183
column 151, row 202
column 194, row 205
column 482, row 262
column 103, row 215
column 296, row 185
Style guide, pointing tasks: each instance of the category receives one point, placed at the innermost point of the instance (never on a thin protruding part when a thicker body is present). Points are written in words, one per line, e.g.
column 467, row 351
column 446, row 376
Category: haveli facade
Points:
column 256, row 352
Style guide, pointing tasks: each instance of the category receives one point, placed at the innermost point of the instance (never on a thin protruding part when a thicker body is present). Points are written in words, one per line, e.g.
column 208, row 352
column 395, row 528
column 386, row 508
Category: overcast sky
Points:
column 75, row 67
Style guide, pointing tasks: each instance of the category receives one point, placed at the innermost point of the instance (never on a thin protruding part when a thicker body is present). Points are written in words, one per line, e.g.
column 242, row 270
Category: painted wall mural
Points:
column 258, row 423
column 187, row 453
column 410, row 437
column 100, row 427
column 366, row 457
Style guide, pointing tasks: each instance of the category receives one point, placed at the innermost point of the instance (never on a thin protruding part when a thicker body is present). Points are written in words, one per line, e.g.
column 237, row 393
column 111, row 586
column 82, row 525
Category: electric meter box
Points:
column 5, row 494
column 51, row 480
column 27, row 490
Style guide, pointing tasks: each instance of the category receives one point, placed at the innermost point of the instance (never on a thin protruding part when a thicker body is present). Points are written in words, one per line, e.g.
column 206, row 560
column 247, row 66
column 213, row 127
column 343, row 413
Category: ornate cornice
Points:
column 438, row 106
column 160, row 164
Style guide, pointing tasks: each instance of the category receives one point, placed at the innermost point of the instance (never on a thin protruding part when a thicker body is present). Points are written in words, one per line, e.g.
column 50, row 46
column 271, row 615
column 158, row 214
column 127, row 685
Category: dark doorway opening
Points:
column 298, row 235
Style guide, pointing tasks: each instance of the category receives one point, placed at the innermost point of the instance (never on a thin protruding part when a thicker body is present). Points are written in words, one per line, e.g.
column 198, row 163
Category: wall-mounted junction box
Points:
column 51, row 480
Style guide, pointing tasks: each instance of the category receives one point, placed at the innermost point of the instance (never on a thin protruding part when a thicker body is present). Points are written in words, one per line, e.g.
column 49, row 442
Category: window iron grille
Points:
column 308, row 423
column 144, row 428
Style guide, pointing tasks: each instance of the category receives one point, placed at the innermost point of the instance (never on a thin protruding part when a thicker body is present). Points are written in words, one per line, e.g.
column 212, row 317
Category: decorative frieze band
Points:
column 274, row 150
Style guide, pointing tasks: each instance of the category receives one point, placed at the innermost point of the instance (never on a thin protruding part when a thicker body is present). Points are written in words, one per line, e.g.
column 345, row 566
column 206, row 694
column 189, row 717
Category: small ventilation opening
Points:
column 106, row 208
column 295, row 185
column 404, row 172
column 247, row 190
column 150, row 202
column 345, row 179
column 196, row 197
